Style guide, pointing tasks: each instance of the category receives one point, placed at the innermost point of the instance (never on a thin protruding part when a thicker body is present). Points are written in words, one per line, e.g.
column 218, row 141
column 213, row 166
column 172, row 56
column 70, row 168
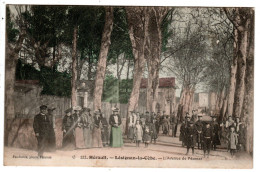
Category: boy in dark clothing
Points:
column 191, row 137
column 207, row 135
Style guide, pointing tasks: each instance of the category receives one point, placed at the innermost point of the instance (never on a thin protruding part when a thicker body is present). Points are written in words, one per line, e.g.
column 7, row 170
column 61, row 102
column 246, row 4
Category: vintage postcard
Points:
column 129, row 86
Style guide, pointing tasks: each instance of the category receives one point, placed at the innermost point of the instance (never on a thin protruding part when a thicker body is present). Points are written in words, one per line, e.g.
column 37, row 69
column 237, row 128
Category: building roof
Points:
column 31, row 82
column 163, row 82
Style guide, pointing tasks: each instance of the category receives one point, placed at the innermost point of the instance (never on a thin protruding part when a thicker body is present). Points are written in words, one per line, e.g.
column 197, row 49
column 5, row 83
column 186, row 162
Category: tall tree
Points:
column 101, row 68
column 243, row 22
column 153, row 53
column 14, row 41
column 137, row 18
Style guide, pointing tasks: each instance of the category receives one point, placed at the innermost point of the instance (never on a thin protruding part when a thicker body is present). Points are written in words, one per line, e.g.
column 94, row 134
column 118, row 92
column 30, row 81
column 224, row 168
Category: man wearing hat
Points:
column 199, row 127
column 191, row 137
column 174, row 123
column 207, row 135
column 42, row 127
column 131, row 125
column 215, row 128
column 116, row 139
column 68, row 141
column 52, row 138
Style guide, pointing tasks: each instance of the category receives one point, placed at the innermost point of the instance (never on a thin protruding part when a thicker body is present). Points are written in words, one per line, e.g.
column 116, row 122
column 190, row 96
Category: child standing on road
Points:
column 138, row 133
column 232, row 140
column 147, row 135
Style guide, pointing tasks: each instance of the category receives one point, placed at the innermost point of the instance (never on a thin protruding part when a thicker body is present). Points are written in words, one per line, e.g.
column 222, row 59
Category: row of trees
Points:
column 212, row 46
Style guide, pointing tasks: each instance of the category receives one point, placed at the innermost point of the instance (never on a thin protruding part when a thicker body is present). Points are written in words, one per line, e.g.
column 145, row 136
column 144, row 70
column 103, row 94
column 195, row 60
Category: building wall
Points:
column 163, row 104
column 203, row 100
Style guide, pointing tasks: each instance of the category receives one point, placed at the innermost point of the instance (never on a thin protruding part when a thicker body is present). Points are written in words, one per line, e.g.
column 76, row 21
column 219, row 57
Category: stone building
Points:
column 166, row 95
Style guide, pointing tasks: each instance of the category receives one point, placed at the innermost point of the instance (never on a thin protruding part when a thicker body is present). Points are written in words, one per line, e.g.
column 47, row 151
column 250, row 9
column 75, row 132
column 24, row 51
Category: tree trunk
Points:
column 74, row 69
column 137, row 18
column 232, row 81
column 241, row 66
column 153, row 53
column 248, row 106
column 11, row 57
column 9, row 84
column 102, row 60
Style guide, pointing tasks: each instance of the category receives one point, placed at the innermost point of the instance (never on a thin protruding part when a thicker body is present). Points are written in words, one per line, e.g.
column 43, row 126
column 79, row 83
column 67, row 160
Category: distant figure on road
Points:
column 199, row 127
column 138, row 130
column 190, row 137
column 207, row 139
column 174, row 123
column 116, row 139
column 131, row 125
column 233, row 140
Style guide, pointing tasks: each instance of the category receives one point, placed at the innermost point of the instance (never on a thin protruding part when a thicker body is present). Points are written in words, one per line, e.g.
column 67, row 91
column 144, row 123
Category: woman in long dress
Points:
column 96, row 135
column 116, row 139
column 78, row 120
column 87, row 127
column 68, row 142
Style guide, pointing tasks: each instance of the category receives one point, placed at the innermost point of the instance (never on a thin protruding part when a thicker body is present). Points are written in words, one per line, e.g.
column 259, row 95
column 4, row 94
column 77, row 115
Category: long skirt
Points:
column 116, row 139
column 68, row 142
column 131, row 133
column 147, row 138
column 51, row 141
column 87, row 133
column 96, row 138
column 79, row 138
column 105, row 135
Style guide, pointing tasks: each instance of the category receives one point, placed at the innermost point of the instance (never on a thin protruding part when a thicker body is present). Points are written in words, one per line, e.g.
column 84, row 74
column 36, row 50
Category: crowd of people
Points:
column 207, row 135
column 82, row 130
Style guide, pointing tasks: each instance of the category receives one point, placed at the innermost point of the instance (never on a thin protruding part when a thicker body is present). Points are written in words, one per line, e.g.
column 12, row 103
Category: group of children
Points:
column 142, row 128
column 207, row 134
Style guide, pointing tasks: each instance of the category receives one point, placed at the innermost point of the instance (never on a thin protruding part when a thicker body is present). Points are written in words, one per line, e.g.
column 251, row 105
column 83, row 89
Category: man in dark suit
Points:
column 174, row 123
column 199, row 127
column 42, row 127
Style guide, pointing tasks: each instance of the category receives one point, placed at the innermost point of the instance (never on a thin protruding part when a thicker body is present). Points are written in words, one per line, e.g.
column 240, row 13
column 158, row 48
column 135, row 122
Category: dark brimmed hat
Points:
column 115, row 110
column 86, row 109
column 43, row 107
column 147, row 112
column 51, row 109
column 78, row 108
column 68, row 110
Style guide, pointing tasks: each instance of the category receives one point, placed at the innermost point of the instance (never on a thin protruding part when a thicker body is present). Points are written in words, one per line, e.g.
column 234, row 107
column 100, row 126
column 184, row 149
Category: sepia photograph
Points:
column 129, row 86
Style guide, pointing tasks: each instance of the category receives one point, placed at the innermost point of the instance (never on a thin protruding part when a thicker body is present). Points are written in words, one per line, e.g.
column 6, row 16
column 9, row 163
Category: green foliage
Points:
column 53, row 82
column 46, row 24
column 11, row 31
column 166, row 30
column 115, row 92
column 120, row 41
